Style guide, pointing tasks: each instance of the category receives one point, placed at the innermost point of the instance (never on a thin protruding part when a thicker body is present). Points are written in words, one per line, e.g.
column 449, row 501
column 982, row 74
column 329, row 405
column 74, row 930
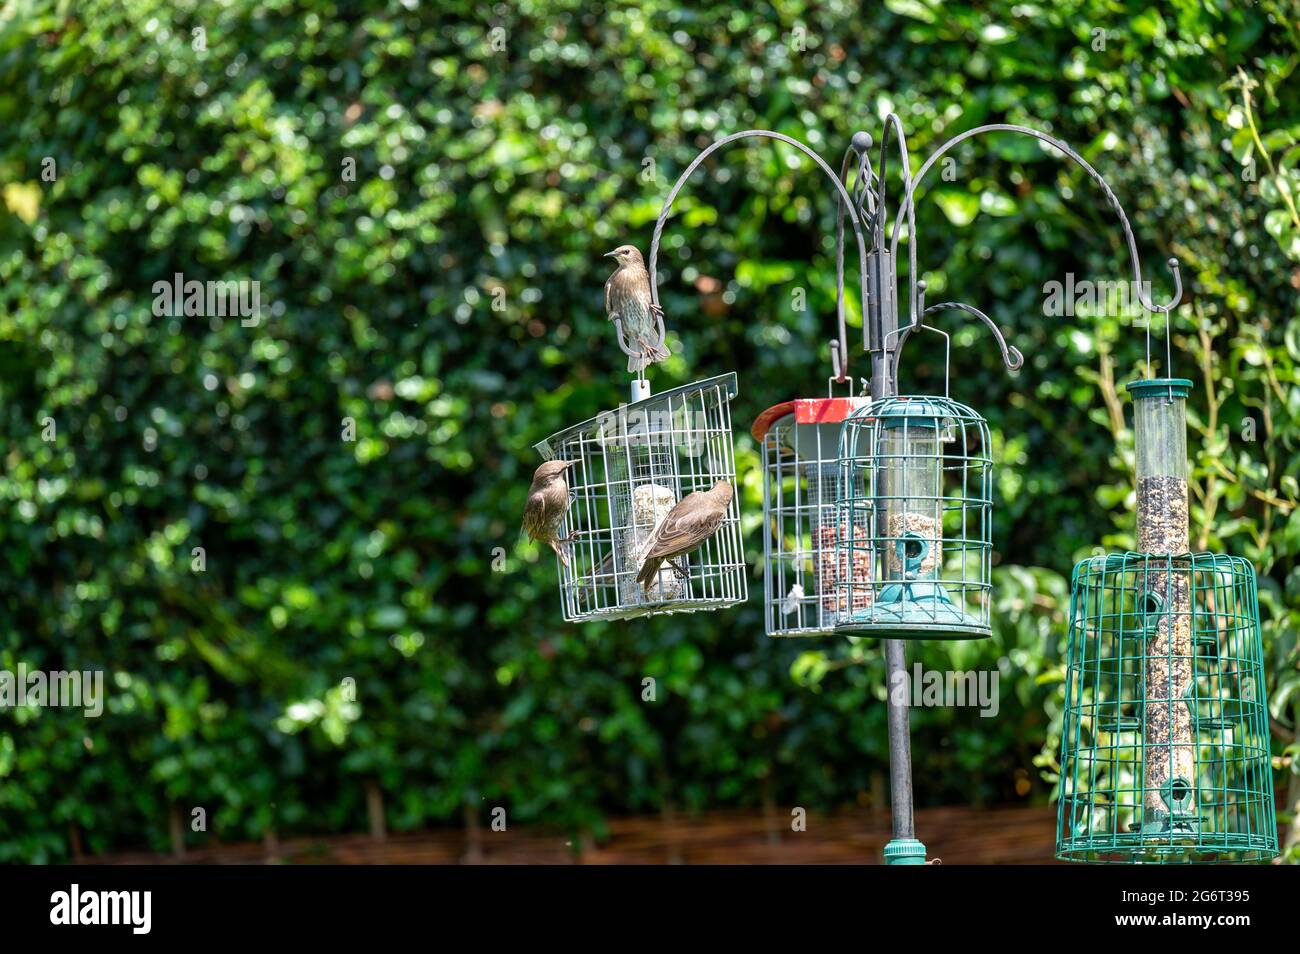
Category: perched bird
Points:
column 627, row 298
column 694, row 519
column 548, row 502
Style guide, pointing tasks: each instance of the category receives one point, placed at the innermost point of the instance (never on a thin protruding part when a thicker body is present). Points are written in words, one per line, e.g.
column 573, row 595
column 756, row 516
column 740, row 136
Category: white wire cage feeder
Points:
column 801, row 519
column 632, row 466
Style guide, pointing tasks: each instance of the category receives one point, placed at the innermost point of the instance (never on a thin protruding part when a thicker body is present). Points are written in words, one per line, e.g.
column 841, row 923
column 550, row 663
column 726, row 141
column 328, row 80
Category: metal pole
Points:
column 880, row 324
column 903, row 848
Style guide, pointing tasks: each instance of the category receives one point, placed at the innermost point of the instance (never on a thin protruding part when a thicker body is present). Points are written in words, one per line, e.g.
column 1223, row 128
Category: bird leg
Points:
column 684, row 574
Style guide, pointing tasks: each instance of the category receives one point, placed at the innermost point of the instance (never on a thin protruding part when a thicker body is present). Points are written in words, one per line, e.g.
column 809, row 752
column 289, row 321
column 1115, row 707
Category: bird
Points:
column 628, row 300
column 694, row 519
column 548, row 502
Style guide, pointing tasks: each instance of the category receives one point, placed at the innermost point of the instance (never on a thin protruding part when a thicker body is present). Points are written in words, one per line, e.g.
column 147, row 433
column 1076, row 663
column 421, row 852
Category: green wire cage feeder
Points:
column 916, row 508
column 1164, row 751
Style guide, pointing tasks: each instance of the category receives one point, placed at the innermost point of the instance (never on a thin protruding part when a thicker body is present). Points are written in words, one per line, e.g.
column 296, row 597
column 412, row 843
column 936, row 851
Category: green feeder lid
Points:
column 912, row 412
column 904, row 851
column 1156, row 387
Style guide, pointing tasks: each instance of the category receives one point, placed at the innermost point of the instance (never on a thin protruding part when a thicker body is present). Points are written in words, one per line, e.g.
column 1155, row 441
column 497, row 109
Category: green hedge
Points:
column 211, row 140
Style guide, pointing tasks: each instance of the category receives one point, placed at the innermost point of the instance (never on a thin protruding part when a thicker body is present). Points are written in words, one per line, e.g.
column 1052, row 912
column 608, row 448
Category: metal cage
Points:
column 632, row 466
column 1165, row 745
column 916, row 509
column 801, row 489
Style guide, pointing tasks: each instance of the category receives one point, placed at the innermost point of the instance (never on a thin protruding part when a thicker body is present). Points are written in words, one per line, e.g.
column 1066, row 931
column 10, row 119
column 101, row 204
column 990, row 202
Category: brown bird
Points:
column 548, row 502
column 694, row 519
column 627, row 298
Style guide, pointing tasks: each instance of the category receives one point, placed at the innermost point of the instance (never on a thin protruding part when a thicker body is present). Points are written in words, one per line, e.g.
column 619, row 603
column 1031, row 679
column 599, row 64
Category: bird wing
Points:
column 534, row 514
column 688, row 525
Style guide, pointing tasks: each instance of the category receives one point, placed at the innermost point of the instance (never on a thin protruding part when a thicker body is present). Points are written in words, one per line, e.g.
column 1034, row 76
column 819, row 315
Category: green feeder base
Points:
column 904, row 851
column 918, row 619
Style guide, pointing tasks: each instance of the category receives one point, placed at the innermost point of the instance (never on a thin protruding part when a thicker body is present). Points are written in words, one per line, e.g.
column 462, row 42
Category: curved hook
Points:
column 1111, row 199
column 821, row 164
column 621, row 338
column 840, row 346
column 1012, row 358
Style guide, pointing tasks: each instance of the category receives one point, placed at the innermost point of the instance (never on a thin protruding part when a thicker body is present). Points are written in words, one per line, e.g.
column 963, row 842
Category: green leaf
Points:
column 959, row 207
column 911, row 8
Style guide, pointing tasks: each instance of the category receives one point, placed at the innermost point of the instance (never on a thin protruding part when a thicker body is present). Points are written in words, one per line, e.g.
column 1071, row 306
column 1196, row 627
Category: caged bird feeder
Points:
column 801, row 520
column 916, row 507
column 631, row 467
column 1164, row 751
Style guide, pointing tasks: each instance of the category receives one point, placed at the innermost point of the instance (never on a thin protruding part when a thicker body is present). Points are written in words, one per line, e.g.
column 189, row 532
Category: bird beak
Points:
column 609, row 254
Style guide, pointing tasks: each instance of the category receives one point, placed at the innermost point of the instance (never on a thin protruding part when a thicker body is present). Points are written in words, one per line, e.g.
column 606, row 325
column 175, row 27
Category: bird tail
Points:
column 647, row 357
column 649, row 571
column 560, row 552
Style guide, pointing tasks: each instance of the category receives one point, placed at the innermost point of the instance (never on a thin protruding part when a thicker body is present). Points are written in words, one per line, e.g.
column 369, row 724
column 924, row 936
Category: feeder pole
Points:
column 880, row 326
column 903, row 849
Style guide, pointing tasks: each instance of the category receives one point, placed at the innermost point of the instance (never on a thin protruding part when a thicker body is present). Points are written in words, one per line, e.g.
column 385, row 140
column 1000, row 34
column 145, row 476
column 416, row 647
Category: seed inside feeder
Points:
column 1162, row 514
column 851, row 571
column 1169, row 755
column 651, row 503
column 919, row 533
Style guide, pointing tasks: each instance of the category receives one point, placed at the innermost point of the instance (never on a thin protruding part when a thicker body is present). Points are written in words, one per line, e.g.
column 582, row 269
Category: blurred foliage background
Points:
column 351, row 634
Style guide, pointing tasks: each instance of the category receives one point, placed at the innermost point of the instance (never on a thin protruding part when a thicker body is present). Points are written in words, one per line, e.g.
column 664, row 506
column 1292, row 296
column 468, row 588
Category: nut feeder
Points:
column 1164, row 750
column 802, row 525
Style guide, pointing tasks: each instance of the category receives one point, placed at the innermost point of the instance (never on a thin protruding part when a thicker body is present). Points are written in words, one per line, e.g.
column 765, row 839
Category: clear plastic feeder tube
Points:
column 911, row 498
column 1164, row 608
column 1160, row 432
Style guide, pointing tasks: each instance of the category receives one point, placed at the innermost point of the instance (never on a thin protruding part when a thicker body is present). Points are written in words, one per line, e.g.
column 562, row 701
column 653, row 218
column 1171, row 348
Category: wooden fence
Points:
column 955, row 835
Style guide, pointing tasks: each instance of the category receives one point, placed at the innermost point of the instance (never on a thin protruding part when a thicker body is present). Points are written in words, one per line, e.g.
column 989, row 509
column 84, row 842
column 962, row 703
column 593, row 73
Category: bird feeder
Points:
column 916, row 509
column 801, row 520
column 1164, row 752
column 632, row 466
column 912, row 544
